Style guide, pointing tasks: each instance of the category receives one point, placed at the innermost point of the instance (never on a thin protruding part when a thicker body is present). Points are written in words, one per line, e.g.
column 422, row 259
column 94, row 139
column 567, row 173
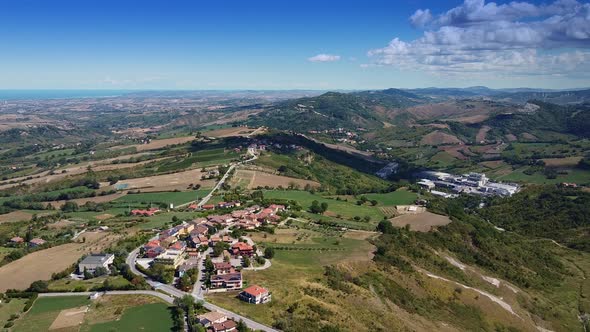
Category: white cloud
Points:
column 421, row 18
column 517, row 38
column 324, row 58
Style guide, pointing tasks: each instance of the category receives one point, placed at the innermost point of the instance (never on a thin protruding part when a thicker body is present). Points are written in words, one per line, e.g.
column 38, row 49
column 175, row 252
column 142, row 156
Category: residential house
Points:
column 36, row 242
column 223, row 268
column 17, row 240
column 146, row 213
column 227, row 326
column 200, row 230
column 242, row 249
column 213, row 240
column 208, row 207
column 210, row 318
column 255, row 294
column 230, row 281
column 93, row 261
column 199, row 240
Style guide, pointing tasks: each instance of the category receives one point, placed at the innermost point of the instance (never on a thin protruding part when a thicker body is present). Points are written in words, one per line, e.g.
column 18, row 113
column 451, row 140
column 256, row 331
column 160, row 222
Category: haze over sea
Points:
column 58, row 94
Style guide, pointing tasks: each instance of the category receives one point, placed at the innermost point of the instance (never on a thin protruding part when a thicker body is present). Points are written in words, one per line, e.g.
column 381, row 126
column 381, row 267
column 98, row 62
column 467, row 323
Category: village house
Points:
column 223, row 268
column 227, row 326
column 200, row 230
column 153, row 248
column 255, row 294
column 199, row 240
column 230, row 281
column 242, row 249
column 210, row 318
column 17, row 240
column 208, row 207
column 36, row 242
column 146, row 213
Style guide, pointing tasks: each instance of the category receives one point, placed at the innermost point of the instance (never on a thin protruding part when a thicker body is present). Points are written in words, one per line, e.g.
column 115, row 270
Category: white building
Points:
column 93, row 261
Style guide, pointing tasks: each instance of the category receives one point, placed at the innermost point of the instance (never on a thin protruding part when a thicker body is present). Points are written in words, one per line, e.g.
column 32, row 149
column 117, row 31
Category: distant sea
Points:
column 59, row 94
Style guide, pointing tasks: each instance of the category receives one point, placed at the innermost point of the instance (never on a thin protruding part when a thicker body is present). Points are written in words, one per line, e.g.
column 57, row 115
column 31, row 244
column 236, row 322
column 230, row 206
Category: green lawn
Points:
column 148, row 317
column 399, row 197
column 335, row 207
column 45, row 310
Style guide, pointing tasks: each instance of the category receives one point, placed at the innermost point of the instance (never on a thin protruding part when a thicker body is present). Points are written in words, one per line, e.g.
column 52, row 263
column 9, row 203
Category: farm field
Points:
column 398, row 197
column 167, row 197
column 15, row 216
column 342, row 208
column 167, row 182
column 159, row 143
column 45, row 311
column 561, row 162
column 39, row 265
column 82, row 201
column 64, row 172
column 421, row 222
column 254, row 179
column 229, row 132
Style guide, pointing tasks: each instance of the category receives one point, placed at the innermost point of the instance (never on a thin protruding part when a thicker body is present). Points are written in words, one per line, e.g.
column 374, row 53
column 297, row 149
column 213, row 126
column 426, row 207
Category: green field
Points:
column 45, row 310
column 335, row 207
column 176, row 198
column 148, row 317
column 398, row 197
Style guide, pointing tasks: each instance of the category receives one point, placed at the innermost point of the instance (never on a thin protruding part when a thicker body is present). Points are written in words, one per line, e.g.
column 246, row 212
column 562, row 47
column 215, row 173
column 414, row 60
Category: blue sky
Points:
column 223, row 44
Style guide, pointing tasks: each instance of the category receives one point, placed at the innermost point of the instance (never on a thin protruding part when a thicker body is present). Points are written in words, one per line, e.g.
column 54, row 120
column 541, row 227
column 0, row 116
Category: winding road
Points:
column 204, row 200
column 174, row 292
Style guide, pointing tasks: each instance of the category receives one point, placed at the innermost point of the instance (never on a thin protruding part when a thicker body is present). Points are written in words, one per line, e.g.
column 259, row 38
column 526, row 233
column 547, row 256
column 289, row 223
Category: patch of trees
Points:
column 561, row 214
column 318, row 208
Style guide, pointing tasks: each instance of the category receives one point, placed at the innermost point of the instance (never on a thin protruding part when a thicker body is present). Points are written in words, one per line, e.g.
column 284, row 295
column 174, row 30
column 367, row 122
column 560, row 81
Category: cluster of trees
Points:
column 318, row 208
column 160, row 272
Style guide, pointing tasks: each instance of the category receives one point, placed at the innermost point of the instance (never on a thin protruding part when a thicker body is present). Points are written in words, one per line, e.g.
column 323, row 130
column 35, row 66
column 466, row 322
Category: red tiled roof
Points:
column 222, row 265
column 255, row 290
column 242, row 246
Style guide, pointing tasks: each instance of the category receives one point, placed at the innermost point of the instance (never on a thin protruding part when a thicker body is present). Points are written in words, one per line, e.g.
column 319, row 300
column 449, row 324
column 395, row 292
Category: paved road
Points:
column 204, row 200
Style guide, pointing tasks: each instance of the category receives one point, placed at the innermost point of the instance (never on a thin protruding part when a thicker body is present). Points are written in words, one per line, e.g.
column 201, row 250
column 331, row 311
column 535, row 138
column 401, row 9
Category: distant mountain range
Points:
column 458, row 112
